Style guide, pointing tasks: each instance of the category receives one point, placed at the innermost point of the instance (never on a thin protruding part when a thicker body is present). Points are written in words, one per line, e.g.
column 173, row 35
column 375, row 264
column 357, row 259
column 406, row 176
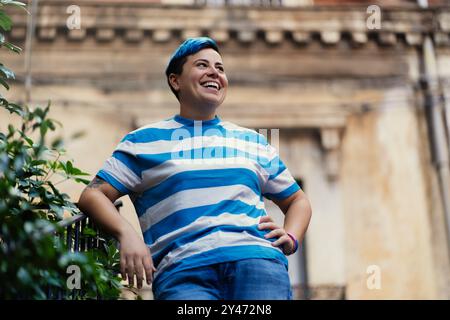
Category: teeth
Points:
column 210, row 83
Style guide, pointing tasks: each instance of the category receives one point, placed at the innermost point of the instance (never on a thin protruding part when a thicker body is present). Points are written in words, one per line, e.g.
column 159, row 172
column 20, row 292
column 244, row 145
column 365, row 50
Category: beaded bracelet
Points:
column 295, row 241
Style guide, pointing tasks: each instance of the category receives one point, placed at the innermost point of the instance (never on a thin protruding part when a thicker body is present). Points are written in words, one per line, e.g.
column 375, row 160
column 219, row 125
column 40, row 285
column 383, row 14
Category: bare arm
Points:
column 297, row 210
column 97, row 201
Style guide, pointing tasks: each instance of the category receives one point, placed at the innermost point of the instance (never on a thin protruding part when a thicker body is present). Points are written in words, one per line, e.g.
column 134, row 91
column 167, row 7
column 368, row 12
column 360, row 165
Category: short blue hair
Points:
column 188, row 47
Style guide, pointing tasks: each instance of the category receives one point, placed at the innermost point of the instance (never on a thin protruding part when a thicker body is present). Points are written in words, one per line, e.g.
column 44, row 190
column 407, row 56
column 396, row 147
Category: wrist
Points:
column 124, row 230
column 294, row 241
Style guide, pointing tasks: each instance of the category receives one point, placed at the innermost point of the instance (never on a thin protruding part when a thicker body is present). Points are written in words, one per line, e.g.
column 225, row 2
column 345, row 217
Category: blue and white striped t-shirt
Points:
column 198, row 187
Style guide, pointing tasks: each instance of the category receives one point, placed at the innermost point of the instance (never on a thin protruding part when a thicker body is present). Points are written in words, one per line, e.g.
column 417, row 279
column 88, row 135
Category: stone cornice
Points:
column 106, row 21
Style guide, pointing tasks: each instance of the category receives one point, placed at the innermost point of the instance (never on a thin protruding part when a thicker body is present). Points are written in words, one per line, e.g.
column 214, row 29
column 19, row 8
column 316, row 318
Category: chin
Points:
column 214, row 102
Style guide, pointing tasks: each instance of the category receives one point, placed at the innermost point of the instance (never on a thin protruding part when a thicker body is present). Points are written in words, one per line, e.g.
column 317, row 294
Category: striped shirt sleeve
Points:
column 280, row 184
column 122, row 170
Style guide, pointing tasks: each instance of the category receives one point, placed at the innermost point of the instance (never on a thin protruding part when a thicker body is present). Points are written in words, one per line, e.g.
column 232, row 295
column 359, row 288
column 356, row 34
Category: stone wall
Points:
column 346, row 101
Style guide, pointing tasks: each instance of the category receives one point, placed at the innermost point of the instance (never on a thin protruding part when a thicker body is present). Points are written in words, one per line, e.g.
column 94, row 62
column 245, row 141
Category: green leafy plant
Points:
column 34, row 256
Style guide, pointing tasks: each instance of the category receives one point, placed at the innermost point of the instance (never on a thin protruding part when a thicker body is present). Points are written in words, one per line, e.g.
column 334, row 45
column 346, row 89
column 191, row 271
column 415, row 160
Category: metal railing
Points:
column 75, row 227
column 76, row 240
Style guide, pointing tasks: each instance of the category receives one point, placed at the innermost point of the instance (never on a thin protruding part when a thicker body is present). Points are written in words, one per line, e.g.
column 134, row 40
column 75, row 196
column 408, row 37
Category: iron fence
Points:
column 76, row 239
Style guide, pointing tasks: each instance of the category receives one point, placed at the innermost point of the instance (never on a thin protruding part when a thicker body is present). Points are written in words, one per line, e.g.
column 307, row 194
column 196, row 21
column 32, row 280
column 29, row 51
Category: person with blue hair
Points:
column 205, row 231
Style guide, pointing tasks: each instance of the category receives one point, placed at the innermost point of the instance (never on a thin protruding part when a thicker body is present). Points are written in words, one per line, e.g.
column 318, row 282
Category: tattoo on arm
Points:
column 96, row 183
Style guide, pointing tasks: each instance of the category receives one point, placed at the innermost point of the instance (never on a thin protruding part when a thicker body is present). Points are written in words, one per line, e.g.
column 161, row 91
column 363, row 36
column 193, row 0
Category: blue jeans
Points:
column 248, row 279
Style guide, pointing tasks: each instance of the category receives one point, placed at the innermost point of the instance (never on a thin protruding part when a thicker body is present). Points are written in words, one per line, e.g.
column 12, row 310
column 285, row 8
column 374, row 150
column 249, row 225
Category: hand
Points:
column 135, row 259
column 284, row 241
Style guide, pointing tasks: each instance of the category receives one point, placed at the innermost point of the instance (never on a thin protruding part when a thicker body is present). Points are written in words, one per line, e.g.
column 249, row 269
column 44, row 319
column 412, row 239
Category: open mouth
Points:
column 211, row 85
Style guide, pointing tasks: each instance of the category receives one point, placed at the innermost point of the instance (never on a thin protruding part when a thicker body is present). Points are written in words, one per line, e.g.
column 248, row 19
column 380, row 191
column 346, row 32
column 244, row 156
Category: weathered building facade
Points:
column 345, row 97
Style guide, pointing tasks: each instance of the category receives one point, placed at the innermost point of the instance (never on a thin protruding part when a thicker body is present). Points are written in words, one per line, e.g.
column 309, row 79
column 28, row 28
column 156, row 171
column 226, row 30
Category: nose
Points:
column 212, row 72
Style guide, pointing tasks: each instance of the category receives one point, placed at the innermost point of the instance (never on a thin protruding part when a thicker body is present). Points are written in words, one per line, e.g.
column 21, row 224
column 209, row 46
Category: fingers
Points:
column 265, row 219
column 266, row 222
column 130, row 271
column 123, row 267
column 149, row 269
column 275, row 233
column 284, row 239
column 137, row 266
column 268, row 225
column 138, row 270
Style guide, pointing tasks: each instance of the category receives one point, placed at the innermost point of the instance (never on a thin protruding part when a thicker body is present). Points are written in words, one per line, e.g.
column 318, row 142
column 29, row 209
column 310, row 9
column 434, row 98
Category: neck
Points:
column 205, row 113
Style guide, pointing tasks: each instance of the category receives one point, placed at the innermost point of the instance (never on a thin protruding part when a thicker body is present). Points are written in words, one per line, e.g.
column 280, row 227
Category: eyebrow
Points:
column 207, row 61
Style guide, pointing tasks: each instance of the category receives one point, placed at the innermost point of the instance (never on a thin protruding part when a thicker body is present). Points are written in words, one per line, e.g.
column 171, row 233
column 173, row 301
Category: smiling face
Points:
column 203, row 82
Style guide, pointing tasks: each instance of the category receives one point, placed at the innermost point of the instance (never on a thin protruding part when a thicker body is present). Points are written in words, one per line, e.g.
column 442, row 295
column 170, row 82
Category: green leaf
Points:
column 50, row 124
column 57, row 122
column 3, row 102
column 89, row 232
column 78, row 172
column 3, row 83
column 37, row 162
column 84, row 181
column 5, row 21
column 23, row 275
column 14, row 3
column 15, row 108
column 61, row 165
column 29, row 141
column 57, row 143
column 34, row 193
column 11, row 47
column 69, row 167
column 43, row 128
column 7, row 72
column 72, row 258
column 11, row 130
column 58, row 210
column 24, row 183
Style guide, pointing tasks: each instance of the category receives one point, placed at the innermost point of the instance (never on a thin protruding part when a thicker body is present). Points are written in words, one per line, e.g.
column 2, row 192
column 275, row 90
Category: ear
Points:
column 173, row 80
